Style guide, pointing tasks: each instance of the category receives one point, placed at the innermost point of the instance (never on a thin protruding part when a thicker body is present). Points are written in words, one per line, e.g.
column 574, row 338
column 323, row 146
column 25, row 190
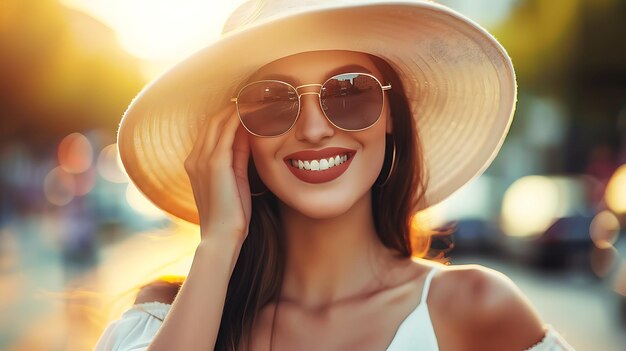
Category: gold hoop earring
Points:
column 393, row 162
column 255, row 179
column 258, row 193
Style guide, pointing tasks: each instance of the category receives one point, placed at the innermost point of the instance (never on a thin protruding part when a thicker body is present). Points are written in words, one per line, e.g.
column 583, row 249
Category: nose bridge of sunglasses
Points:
column 316, row 89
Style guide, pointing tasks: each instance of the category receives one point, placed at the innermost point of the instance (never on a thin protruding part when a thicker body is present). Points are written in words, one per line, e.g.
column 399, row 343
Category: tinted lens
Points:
column 352, row 101
column 268, row 108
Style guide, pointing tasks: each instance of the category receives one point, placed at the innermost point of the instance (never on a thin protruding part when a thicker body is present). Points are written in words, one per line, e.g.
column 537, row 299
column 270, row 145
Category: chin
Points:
column 322, row 205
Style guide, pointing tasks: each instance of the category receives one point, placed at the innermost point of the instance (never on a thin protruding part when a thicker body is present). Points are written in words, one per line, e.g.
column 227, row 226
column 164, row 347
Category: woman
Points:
column 301, row 143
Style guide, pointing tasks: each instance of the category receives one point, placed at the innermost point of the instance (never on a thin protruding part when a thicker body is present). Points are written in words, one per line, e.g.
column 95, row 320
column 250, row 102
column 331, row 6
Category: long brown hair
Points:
column 258, row 273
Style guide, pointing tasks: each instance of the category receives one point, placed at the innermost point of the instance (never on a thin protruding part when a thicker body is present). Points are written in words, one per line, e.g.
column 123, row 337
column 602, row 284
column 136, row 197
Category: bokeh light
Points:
column 529, row 206
column 59, row 187
column 615, row 194
column 140, row 203
column 455, row 207
column 75, row 153
column 84, row 182
column 604, row 229
column 109, row 165
column 603, row 260
column 619, row 284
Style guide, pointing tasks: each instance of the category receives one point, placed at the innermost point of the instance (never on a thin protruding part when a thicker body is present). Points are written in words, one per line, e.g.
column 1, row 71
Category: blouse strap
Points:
column 429, row 277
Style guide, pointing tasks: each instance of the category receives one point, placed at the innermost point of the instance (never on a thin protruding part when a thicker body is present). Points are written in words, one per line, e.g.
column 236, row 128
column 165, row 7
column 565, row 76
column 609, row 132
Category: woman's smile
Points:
column 319, row 166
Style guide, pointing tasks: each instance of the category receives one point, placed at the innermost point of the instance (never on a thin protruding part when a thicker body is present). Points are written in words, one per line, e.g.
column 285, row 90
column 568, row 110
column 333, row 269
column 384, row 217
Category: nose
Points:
column 312, row 125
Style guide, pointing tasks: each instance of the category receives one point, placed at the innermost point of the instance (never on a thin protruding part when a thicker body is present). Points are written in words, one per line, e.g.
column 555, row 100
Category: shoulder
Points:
column 486, row 308
column 138, row 325
column 162, row 290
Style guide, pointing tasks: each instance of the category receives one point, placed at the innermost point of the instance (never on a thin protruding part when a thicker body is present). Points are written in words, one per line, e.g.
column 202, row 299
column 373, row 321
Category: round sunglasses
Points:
column 350, row 102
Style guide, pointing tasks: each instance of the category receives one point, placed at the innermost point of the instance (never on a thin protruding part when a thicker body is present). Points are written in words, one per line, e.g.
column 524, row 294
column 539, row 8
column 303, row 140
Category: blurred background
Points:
column 77, row 239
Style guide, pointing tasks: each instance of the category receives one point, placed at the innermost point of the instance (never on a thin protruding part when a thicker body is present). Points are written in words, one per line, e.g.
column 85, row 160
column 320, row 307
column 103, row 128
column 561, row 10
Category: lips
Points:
column 321, row 176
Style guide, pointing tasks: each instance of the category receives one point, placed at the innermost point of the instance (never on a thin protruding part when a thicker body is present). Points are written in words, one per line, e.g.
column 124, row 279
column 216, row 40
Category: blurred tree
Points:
column 62, row 71
column 572, row 51
column 598, row 92
column 540, row 38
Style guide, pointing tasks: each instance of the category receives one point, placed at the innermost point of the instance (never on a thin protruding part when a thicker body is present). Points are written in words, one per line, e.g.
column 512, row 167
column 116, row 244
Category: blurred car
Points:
column 565, row 245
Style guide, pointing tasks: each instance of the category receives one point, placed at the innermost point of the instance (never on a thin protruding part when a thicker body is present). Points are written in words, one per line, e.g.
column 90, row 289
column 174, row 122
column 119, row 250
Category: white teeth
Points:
column 315, row 165
column 320, row 165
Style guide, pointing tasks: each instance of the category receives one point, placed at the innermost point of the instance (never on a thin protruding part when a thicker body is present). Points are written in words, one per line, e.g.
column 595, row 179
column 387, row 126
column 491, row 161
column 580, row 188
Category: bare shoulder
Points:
column 485, row 309
column 162, row 290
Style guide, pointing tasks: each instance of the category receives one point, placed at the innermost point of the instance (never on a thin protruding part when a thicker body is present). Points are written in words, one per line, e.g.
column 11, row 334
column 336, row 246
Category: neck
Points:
column 331, row 259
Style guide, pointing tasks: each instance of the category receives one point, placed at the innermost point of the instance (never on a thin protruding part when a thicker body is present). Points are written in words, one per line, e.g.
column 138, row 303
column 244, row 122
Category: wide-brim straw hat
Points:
column 458, row 79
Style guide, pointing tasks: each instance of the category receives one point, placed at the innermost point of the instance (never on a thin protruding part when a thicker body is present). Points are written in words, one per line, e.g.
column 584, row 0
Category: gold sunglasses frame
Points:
column 319, row 95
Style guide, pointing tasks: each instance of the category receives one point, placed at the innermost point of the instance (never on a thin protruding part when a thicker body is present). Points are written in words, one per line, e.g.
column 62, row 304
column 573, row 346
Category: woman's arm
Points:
column 217, row 170
column 168, row 317
column 194, row 318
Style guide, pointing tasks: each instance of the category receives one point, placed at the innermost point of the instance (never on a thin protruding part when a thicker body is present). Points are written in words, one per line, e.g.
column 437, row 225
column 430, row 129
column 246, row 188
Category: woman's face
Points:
column 313, row 194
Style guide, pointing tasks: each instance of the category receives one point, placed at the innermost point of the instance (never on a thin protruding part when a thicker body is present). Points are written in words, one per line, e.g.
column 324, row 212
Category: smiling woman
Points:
column 303, row 160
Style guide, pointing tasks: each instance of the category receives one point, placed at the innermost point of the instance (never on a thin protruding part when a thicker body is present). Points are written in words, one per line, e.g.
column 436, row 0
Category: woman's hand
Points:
column 217, row 167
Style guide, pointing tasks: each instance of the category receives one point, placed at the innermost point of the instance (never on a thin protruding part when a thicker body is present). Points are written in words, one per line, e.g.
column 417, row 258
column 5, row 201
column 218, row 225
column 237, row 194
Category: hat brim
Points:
column 459, row 81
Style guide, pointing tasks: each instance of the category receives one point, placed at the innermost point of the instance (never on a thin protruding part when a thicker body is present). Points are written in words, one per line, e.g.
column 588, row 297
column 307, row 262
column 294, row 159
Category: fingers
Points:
column 226, row 138
column 241, row 153
column 221, row 198
column 208, row 135
column 234, row 146
column 213, row 133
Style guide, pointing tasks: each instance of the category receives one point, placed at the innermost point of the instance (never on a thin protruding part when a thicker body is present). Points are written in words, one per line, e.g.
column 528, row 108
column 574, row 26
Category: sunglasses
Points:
column 350, row 102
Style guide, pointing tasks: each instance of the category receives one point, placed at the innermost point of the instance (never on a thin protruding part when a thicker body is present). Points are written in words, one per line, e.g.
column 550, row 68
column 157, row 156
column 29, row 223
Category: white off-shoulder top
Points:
column 137, row 327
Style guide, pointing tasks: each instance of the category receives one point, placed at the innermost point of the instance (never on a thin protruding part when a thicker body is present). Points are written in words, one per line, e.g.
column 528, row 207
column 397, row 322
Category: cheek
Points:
column 263, row 153
column 258, row 151
column 379, row 134
column 376, row 154
column 387, row 117
column 372, row 154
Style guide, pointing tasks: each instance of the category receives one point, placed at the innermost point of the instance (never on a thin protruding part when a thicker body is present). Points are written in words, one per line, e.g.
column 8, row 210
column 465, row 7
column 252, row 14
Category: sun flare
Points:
column 160, row 30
